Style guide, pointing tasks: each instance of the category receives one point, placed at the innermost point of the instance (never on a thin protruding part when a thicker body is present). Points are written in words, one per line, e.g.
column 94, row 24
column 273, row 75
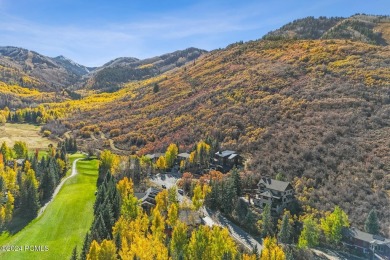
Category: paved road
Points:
column 235, row 231
column 73, row 173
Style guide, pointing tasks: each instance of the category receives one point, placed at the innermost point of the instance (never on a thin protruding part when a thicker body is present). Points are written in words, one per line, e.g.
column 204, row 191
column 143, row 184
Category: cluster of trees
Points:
column 137, row 235
column 225, row 197
column 37, row 115
column 28, row 185
column 305, row 28
column 121, row 228
column 106, row 213
column 356, row 30
column 199, row 157
column 167, row 160
column 70, row 144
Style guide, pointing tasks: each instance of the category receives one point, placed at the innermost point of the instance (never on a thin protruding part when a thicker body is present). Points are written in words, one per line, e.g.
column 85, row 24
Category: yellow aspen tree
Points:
column 271, row 250
column 9, row 207
column 9, row 176
column 162, row 201
column 158, row 225
column 161, row 163
column 94, row 249
column 222, row 243
column 2, row 216
column 179, row 241
column 199, row 245
column 200, row 195
column 125, row 187
column 171, row 154
column 173, row 214
column 107, row 250
column 248, row 257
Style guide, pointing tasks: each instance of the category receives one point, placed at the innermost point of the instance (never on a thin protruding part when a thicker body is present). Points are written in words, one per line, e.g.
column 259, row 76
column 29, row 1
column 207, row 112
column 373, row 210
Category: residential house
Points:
column 154, row 156
column 366, row 243
column 19, row 163
column 277, row 194
column 182, row 157
column 226, row 160
column 148, row 198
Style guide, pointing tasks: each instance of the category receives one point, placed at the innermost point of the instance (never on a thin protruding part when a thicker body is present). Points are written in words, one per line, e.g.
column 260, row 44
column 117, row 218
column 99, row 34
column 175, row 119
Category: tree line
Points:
column 27, row 183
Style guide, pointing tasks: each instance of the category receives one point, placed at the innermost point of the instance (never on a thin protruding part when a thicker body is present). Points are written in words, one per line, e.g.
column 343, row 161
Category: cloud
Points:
column 206, row 25
column 90, row 45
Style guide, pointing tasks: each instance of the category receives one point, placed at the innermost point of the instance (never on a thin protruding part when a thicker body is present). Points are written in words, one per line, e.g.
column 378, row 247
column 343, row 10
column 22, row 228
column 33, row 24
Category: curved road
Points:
column 73, row 173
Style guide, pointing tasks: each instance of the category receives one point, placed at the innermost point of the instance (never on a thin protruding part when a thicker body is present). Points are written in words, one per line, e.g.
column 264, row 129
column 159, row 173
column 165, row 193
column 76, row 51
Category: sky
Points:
column 96, row 31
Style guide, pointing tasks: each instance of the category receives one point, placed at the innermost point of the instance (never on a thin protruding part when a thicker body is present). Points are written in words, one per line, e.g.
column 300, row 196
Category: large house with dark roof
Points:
column 147, row 198
column 226, row 160
column 277, row 194
column 366, row 243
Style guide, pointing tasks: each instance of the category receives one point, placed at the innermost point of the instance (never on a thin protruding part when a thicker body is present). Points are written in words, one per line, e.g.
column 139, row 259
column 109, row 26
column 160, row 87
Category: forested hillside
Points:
column 365, row 28
column 113, row 74
column 314, row 109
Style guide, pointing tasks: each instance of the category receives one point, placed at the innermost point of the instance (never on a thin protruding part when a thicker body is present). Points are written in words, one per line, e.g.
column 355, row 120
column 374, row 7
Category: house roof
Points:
column 274, row 184
column 269, row 194
column 139, row 195
column 149, row 195
column 266, row 194
column 154, row 155
column 20, row 161
column 225, row 153
column 367, row 237
column 232, row 156
column 184, row 155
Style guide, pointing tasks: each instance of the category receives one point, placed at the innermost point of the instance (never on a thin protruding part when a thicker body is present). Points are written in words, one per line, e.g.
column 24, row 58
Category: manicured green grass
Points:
column 64, row 223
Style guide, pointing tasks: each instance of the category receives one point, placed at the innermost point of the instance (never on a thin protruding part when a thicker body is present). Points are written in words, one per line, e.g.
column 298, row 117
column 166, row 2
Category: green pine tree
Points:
column 74, row 254
column 266, row 220
column 372, row 223
column 285, row 230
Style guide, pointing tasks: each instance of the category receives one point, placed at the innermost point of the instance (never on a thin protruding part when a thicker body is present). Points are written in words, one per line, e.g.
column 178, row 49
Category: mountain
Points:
column 31, row 69
column 316, row 110
column 121, row 70
column 72, row 66
column 366, row 28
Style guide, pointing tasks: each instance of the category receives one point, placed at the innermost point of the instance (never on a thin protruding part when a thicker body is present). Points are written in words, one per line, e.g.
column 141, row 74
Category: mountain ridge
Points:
column 358, row 27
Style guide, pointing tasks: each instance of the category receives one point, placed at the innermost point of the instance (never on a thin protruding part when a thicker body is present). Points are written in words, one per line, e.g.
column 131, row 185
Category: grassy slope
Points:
column 65, row 221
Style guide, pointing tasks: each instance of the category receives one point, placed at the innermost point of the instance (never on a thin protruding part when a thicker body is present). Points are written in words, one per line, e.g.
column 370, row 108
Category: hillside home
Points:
column 278, row 194
column 225, row 160
column 147, row 198
column 182, row 157
column 19, row 163
column 154, row 156
column 367, row 243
